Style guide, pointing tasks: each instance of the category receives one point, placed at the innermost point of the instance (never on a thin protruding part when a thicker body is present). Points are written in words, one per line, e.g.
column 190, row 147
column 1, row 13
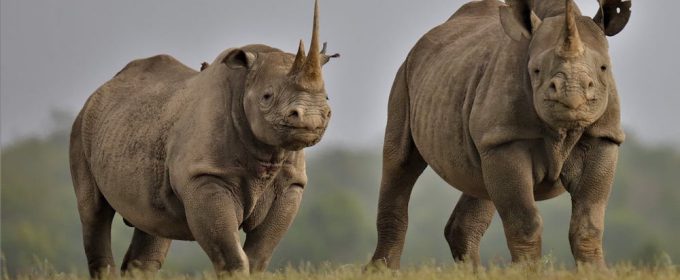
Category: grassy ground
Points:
column 426, row 272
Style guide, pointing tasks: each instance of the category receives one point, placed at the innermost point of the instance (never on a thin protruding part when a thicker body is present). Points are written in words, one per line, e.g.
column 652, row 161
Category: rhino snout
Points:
column 300, row 118
column 572, row 101
column 570, row 94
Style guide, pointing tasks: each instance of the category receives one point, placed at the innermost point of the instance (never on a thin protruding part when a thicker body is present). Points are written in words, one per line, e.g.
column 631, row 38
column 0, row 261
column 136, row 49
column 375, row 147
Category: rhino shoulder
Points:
column 485, row 8
column 470, row 34
column 162, row 65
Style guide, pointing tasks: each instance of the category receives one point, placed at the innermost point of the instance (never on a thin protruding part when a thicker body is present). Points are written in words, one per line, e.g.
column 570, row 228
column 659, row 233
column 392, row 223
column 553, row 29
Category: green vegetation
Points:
column 336, row 221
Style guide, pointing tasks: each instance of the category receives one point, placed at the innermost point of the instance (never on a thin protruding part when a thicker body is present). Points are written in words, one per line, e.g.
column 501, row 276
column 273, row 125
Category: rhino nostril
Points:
column 295, row 113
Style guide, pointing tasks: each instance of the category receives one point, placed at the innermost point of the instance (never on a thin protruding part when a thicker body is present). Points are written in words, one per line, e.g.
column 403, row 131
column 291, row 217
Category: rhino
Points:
column 188, row 155
column 510, row 103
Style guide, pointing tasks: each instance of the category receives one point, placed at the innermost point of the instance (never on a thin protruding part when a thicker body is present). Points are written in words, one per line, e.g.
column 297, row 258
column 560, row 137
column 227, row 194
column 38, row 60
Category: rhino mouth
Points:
column 562, row 111
column 306, row 135
column 298, row 137
column 295, row 130
column 568, row 118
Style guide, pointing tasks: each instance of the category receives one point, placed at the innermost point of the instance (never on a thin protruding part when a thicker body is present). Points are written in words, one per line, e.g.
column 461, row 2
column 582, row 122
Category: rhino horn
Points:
column 572, row 46
column 310, row 76
column 299, row 62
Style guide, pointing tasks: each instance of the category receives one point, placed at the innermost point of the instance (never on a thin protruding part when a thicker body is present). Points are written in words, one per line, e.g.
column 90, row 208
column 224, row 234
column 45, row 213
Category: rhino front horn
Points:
column 572, row 46
column 308, row 75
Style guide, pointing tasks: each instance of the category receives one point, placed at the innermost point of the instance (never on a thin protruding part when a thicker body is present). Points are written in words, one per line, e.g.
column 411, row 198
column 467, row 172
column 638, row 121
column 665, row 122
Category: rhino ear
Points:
column 239, row 59
column 518, row 20
column 613, row 15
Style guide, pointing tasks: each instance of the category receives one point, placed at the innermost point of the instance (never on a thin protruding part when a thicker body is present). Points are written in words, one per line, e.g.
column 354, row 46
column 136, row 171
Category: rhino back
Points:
column 124, row 129
column 464, row 82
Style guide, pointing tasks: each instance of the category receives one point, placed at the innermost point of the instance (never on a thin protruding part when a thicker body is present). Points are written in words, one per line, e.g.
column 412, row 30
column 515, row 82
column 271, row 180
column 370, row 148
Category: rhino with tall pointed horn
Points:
column 510, row 103
column 189, row 155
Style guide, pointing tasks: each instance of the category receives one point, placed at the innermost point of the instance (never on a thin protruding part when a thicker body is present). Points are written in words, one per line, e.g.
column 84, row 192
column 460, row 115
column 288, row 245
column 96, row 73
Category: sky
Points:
column 54, row 54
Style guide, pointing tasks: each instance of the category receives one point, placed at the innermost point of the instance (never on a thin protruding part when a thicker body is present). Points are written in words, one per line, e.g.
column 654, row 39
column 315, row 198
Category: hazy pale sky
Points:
column 54, row 54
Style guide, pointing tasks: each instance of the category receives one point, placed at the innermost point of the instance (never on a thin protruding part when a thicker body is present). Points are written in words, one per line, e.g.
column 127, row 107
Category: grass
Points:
column 424, row 272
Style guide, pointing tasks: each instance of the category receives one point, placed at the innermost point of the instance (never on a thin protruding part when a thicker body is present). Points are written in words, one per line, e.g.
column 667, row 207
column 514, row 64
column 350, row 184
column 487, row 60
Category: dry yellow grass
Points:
column 425, row 272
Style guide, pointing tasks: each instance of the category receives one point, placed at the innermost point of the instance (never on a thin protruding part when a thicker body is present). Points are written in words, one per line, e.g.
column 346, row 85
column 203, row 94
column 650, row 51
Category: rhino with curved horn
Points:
column 525, row 107
column 189, row 155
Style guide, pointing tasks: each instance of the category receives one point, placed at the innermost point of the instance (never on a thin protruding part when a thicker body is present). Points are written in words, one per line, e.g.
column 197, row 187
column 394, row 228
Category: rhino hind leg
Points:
column 96, row 225
column 96, row 215
column 402, row 165
column 146, row 253
column 469, row 221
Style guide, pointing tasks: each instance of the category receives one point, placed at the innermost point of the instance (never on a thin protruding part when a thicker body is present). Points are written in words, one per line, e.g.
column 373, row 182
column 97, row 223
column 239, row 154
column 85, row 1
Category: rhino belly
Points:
column 128, row 164
column 439, row 130
column 141, row 195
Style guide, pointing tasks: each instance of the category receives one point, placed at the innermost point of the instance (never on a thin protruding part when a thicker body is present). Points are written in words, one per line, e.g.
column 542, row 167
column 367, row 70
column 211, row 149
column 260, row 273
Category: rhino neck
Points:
column 255, row 150
column 558, row 146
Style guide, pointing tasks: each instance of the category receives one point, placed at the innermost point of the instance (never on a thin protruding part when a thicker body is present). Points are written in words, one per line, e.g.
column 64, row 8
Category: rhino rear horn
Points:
column 613, row 15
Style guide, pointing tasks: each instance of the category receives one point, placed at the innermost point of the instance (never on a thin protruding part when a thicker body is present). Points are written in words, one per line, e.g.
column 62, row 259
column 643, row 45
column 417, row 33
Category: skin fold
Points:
column 525, row 107
column 189, row 155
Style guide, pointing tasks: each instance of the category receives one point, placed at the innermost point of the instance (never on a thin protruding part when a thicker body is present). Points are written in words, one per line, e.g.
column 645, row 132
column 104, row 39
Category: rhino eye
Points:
column 267, row 96
column 603, row 68
column 536, row 71
column 327, row 97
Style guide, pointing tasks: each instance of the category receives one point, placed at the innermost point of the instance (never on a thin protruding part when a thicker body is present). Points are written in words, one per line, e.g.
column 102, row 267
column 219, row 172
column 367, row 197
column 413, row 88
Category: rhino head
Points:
column 568, row 62
column 284, row 99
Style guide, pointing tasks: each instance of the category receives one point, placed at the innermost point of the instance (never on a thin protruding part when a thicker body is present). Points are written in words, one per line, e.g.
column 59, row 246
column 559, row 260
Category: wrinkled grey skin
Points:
column 189, row 155
column 509, row 104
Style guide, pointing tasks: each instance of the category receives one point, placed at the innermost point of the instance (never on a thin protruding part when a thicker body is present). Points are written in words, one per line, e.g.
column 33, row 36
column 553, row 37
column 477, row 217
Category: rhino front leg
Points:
column 470, row 219
column 508, row 178
column 589, row 200
column 212, row 214
column 146, row 253
column 261, row 241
